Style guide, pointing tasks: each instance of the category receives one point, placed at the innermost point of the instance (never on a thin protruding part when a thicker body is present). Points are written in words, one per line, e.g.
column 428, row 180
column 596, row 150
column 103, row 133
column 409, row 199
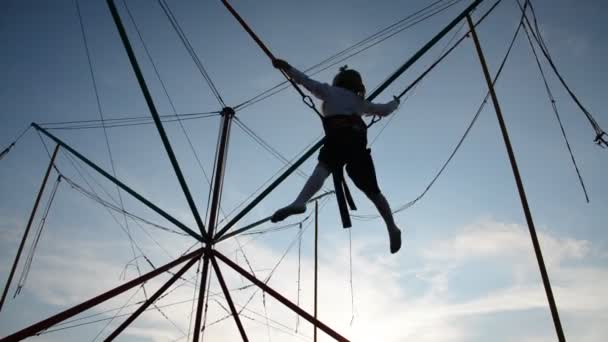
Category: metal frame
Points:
column 209, row 239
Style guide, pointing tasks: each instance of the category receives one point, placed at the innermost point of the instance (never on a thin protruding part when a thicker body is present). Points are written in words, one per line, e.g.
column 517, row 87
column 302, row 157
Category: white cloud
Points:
column 386, row 308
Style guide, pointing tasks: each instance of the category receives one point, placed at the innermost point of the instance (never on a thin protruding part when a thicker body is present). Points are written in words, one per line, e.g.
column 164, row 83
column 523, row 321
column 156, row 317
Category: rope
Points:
column 30, row 256
column 124, row 122
column 11, row 145
column 111, row 206
column 601, row 137
column 184, row 39
column 179, row 120
column 557, row 115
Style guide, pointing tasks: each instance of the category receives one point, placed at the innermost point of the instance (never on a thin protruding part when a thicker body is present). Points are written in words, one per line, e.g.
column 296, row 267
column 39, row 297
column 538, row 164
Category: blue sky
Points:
column 466, row 271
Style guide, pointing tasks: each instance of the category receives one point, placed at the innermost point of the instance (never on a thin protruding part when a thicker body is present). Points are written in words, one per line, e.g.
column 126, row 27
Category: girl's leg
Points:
column 385, row 211
column 313, row 184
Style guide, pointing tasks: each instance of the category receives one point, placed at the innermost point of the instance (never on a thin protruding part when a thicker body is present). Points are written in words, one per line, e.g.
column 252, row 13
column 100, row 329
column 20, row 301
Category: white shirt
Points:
column 340, row 101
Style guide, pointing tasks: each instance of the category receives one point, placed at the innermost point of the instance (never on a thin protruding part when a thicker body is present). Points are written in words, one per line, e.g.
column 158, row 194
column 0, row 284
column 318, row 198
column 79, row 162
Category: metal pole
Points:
column 120, row 184
column 520, row 186
column 235, row 314
column 316, row 262
column 201, row 295
column 75, row 310
column 150, row 300
column 218, row 181
column 29, row 225
column 329, row 331
column 155, row 116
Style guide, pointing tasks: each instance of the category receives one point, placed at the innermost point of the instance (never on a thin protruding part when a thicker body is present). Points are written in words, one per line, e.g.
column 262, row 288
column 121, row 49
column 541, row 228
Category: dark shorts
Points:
column 346, row 145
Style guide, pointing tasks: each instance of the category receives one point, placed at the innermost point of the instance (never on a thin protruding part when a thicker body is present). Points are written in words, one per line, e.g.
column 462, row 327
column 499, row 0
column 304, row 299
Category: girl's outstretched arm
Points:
column 381, row 109
column 318, row 89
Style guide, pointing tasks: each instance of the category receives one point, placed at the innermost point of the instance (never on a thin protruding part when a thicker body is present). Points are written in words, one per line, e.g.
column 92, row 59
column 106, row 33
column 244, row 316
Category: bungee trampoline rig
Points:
column 211, row 232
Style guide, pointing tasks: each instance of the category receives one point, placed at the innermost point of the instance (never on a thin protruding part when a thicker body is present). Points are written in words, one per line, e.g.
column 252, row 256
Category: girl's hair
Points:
column 350, row 79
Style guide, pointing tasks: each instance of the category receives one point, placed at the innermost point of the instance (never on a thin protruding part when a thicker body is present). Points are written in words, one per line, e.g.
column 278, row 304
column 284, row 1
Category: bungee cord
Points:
column 371, row 41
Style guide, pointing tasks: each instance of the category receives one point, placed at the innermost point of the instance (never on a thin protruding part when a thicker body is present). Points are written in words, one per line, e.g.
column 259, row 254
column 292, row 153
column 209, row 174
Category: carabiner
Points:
column 308, row 101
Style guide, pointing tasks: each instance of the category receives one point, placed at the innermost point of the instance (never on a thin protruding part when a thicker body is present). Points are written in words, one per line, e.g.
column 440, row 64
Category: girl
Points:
column 346, row 142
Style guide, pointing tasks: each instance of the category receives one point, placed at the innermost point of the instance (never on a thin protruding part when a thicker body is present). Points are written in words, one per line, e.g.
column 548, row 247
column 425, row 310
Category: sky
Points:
column 466, row 271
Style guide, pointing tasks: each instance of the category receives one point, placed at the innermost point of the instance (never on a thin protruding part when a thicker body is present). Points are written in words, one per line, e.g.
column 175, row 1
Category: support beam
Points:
column 29, row 225
column 520, row 185
column 120, row 184
column 235, row 314
column 150, row 300
column 280, row 298
column 201, row 299
column 156, row 117
column 75, row 310
column 220, row 166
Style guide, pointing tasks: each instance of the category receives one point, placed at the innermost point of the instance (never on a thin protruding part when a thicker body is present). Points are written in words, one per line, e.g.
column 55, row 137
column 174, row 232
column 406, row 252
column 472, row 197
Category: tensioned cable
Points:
column 109, row 205
column 601, row 136
column 12, row 144
column 460, row 142
column 556, row 112
column 289, row 247
column 111, row 157
column 167, row 10
column 124, row 122
column 30, row 256
column 181, row 124
column 283, row 85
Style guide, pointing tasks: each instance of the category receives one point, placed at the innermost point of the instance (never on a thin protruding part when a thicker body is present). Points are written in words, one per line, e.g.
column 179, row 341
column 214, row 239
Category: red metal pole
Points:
column 520, row 186
column 280, row 298
column 62, row 316
column 201, row 300
column 316, row 262
column 150, row 300
column 29, row 225
column 235, row 314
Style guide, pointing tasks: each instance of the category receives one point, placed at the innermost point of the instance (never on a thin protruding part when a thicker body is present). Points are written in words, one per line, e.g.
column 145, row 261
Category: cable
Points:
column 123, row 122
column 600, row 135
column 11, row 145
column 167, row 10
column 557, row 115
column 181, row 124
column 30, row 256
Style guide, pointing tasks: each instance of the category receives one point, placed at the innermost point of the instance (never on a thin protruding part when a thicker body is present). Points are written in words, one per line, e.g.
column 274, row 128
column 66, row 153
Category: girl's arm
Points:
column 318, row 89
column 380, row 109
